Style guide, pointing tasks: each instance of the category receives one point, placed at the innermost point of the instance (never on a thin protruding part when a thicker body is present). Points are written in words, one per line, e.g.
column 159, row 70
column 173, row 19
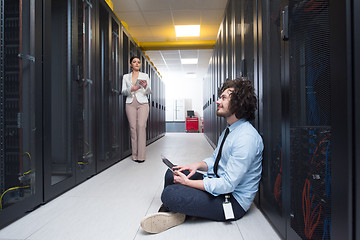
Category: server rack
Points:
column 344, row 79
column 272, row 191
column 84, row 94
column 61, row 115
column 126, row 69
column 115, row 86
column 309, row 128
column 152, row 105
column 108, row 89
column 20, row 111
column 300, row 56
column 148, row 129
column 59, row 166
column 356, row 39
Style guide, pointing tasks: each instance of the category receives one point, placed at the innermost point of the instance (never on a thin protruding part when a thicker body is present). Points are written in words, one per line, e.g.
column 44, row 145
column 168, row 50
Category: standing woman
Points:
column 136, row 87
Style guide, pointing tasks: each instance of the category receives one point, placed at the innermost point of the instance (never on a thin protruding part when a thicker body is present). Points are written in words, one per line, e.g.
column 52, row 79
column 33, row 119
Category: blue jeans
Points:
column 194, row 202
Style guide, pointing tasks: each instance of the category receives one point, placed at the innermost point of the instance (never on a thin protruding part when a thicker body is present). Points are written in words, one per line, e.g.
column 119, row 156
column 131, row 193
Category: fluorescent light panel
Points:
column 189, row 60
column 187, row 30
column 190, row 75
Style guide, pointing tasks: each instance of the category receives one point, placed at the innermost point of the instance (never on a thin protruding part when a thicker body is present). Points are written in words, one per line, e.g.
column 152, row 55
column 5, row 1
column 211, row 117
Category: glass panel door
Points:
column 85, row 92
column 115, row 92
column 59, row 167
column 125, row 123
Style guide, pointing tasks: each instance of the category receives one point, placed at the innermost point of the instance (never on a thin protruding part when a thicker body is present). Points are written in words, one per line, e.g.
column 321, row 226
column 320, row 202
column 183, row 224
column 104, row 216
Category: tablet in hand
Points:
column 167, row 162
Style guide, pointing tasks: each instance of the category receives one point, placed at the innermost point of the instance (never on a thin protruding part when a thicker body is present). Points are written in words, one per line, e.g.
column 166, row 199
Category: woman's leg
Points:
column 131, row 114
column 142, row 114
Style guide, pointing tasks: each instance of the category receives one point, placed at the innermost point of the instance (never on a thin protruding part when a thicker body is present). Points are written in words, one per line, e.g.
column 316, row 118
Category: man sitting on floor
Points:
column 233, row 171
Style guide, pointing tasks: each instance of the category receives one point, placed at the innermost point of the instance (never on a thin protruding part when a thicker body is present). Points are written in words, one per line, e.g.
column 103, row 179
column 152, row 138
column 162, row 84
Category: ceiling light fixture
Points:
column 187, row 30
column 189, row 60
column 190, row 75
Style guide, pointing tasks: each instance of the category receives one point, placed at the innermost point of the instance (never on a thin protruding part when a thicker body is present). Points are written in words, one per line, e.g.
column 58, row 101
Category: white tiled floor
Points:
column 111, row 204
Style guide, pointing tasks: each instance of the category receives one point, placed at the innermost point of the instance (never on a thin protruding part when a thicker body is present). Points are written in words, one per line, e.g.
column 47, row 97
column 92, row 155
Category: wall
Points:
column 191, row 90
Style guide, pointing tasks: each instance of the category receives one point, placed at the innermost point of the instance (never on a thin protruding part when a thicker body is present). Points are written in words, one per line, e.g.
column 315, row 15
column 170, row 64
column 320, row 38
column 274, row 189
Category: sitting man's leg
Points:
column 182, row 200
column 165, row 219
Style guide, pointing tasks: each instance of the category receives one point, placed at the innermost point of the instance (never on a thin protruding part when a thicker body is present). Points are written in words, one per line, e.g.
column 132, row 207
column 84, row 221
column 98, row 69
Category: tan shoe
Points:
column 159, row 222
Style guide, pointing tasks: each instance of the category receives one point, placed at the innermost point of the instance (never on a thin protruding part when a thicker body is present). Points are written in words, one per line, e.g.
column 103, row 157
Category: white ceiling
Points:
column 154, row 20
column 169, row 64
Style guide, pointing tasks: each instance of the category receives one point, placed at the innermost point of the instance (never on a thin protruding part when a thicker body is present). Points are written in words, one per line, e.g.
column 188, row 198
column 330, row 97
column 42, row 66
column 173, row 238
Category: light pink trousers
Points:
column 137, row 115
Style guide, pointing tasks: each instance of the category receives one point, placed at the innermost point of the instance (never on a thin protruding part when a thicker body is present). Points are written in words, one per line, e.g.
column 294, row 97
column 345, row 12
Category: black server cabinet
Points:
column 84, row 91
column 21, row 170
column 126, row 147
column 69, row 102
column 302, row 57
column 154, row 111
column 296, row 191
column 271, row 189
column 309, row 127
column 356, row 39
column 148, row 129
column 115, row 130
column 220, row 123
column 107, row 89
column 344, row 73
column 152, row 106
column 58, row 82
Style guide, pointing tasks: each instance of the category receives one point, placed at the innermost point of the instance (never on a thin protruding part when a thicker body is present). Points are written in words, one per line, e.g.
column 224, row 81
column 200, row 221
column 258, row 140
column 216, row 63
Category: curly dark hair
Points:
column 243, row 101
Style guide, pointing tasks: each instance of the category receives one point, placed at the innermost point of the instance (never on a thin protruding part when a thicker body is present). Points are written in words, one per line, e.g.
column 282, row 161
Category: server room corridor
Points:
column 111, row 204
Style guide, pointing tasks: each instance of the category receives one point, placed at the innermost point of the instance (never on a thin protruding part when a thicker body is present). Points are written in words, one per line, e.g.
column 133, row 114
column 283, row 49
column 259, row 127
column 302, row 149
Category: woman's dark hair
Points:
column 132, row 58
column 243, row 101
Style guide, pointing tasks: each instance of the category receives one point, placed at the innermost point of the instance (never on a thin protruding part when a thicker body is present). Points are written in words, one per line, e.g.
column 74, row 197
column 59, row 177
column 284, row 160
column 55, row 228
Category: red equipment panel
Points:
column 192, row 124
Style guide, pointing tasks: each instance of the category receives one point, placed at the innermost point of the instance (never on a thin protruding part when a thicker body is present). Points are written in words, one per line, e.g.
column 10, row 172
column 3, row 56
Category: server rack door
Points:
column 143, row 64
column 310, row 125
column 147, row 70
column 20, row 108
column 249, row 50
column 344, row 74
column 125, row 123
column 214, row 90
column 271, row 186
column 157, row 112
column 229, row 39
column 163, row 107
column 84, row 93
column 114, row 130
column 133, row 49
column 152, row 106
column 59, row 166
column 217, row 83
column 107, row 150
column 238, row 49
column 356, row 13
column 224, row 73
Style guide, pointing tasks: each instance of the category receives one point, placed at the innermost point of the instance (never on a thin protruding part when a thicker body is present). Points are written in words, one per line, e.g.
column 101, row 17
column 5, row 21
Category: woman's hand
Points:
column 135, row 88
column 143, row 83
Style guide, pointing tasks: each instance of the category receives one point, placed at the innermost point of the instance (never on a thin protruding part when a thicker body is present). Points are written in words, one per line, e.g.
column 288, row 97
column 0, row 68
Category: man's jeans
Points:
column 195, row 202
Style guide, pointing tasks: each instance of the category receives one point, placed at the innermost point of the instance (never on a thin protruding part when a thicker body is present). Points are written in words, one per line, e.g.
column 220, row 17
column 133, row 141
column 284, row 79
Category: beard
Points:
column 224, row 114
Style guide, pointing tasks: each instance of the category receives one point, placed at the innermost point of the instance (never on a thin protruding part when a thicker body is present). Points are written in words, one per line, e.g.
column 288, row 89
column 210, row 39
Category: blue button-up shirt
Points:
column 239, row 168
